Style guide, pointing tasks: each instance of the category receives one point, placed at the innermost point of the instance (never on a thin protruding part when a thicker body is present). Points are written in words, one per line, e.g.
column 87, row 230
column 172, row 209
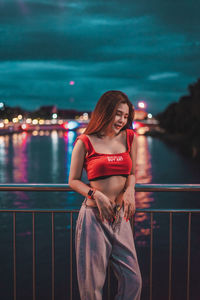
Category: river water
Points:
column 44, row 157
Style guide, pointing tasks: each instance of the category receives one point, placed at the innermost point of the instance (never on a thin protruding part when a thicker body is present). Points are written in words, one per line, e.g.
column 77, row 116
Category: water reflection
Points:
column 69, row 138
column 55, row 158
column 20, row 163
column 20, row 160
column 143, row 199
column 3, row 157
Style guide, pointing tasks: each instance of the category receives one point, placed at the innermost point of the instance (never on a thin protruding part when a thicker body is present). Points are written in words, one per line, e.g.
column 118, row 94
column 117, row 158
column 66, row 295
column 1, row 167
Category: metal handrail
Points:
column 65, row 187
column 150, row 187
column 54, row 210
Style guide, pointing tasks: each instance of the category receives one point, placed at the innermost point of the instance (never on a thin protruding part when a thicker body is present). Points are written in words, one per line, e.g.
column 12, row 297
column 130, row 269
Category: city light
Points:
column 35, row 122
column 24, row 126
column 85, row 116
column 65, row 125
column 54, row 116
column 136, row 125
column 141, row 104
column 72, row 125
column 71, row 82
column 1, row 105
column 28, row 121
column 35, row 133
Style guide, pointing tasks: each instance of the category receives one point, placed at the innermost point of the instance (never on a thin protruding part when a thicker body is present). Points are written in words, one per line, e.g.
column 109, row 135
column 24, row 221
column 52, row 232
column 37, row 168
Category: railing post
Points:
column 151, row 256
column 170, row 255
column 14, row 256
column 33, row 251
column 52, row 257
column 188, row 262
column 71, row 254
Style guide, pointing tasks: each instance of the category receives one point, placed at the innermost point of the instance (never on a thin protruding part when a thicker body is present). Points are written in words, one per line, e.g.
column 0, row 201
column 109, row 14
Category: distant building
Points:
column 44, row 112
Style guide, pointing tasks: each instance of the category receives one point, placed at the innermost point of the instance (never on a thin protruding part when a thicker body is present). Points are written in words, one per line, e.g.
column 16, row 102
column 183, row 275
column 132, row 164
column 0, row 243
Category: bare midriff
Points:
column 112, row 187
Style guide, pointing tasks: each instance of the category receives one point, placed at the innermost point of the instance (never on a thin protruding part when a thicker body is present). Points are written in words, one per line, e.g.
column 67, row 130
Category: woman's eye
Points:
column 119, row 115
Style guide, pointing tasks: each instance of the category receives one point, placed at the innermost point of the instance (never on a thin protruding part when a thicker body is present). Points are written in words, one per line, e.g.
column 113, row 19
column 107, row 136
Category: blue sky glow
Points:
column 148, row 49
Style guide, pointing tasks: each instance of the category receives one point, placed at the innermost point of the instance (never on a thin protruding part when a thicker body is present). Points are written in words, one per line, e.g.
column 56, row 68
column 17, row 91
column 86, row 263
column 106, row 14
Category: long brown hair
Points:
column 105, row 111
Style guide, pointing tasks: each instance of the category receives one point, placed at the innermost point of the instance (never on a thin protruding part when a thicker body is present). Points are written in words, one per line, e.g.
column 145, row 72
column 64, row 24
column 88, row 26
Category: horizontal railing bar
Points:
column 41, row 210
column 77, row 210
column 154, row 187
column 151, row 187
column 35, row 187
column 160, row 210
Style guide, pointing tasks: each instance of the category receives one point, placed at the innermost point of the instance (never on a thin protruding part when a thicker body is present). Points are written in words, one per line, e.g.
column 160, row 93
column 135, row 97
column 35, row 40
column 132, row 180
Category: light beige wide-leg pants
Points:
column 96, row 242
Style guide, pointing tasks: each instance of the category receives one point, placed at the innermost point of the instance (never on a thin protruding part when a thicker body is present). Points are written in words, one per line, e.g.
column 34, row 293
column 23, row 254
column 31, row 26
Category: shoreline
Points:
column 186, row 144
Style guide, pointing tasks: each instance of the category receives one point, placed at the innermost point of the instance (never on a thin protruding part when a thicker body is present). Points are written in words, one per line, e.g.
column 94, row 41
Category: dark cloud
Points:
column 148, row 49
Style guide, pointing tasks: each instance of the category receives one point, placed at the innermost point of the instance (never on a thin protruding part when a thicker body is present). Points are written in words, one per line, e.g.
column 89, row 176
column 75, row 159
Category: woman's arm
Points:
column 129, row 194
column 76, row 168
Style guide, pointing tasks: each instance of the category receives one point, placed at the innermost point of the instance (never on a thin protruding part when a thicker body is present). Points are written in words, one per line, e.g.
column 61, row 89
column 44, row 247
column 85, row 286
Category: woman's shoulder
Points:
column 82, row 137
column 85, row 140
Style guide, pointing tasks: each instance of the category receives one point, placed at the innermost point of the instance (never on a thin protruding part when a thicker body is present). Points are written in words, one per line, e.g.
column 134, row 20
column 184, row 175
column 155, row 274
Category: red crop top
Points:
column 101, row 165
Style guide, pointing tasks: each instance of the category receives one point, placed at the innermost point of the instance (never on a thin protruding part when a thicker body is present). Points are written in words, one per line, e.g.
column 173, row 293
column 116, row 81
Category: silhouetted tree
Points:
column 183, row 118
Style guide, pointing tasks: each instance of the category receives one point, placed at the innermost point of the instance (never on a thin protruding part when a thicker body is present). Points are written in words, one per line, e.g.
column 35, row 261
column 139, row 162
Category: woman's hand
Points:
column 104, row 205
column 128, row 198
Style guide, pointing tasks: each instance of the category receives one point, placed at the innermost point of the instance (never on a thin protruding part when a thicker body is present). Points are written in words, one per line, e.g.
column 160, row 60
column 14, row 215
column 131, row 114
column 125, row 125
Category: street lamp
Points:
column 2, row 106
column 54, row 116
column 142, row 104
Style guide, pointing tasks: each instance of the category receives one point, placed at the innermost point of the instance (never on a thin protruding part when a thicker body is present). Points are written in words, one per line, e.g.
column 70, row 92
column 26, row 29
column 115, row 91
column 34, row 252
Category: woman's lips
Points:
column 118, row 126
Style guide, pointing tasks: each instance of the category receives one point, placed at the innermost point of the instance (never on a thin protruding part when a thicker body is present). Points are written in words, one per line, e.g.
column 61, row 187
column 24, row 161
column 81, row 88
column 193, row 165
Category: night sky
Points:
column 147, row 49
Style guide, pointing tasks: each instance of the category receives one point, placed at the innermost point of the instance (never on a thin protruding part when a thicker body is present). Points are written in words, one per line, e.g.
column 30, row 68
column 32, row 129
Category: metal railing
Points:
column 65, row 187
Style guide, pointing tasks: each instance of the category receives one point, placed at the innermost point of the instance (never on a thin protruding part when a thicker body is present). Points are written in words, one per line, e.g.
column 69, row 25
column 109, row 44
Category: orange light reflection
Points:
column 143, row 199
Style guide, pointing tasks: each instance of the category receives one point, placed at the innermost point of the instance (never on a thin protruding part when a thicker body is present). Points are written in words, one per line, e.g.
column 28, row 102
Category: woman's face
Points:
column 121, row 117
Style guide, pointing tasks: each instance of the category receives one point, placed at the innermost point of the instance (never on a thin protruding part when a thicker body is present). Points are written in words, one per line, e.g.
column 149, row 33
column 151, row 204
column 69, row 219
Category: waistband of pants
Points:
column 91, row 203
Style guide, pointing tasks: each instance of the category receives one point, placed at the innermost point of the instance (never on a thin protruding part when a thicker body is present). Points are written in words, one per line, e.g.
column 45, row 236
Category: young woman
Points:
column 107, row 151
